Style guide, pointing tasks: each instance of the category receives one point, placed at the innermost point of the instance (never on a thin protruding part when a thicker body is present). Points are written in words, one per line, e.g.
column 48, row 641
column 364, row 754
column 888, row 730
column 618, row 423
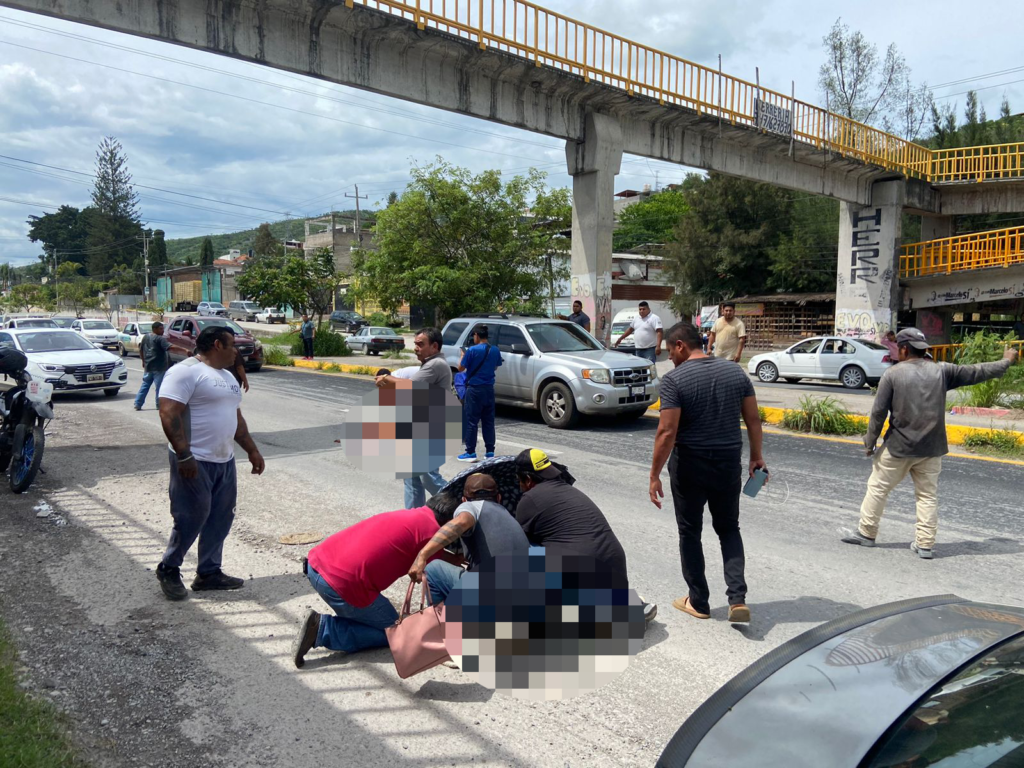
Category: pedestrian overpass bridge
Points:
column 518, row 64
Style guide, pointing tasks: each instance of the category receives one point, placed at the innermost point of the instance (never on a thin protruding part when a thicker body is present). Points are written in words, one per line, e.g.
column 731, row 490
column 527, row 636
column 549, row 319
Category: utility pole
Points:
column 359, row 231
column 145, row 261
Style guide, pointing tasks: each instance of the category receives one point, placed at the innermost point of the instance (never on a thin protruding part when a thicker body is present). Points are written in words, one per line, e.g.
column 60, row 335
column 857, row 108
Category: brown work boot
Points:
column 739, row 614
column 683, row 604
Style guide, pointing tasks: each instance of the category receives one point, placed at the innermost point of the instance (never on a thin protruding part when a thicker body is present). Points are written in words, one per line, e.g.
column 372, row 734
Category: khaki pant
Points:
column 887, row 472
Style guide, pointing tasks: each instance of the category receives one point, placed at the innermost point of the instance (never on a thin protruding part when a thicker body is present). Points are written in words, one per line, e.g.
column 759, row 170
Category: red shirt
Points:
column 363, row 560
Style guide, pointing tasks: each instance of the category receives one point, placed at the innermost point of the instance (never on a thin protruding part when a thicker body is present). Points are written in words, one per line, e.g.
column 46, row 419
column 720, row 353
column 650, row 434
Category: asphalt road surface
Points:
column 244, row 704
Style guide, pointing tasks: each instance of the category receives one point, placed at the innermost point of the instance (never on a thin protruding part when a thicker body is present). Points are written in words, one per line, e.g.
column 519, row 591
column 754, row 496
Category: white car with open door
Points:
column 67, row 360
column 854, row 362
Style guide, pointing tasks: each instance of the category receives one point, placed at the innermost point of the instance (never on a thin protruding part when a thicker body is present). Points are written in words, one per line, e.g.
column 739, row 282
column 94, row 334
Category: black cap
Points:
column 535, row 461
column 913, row 337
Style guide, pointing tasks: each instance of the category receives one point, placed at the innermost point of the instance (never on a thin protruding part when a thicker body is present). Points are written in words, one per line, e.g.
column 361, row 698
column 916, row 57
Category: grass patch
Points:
column 395, row 354
column 331, row 368
column 276, row 356
column 31, row 731
column 1001, row 442
column 362, row 370
column 762, row 414
column 826, row 416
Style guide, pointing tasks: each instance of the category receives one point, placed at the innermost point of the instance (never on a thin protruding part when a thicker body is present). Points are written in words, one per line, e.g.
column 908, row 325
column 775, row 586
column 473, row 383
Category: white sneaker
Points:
column 924, row 554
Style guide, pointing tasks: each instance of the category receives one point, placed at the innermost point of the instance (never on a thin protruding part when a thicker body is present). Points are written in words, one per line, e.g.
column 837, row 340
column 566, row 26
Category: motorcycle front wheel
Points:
column 32, row 441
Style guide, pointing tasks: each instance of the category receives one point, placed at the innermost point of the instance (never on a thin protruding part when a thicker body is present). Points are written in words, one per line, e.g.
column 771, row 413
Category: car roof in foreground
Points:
column 27, row 331
column 524, row 319
column 828, row 696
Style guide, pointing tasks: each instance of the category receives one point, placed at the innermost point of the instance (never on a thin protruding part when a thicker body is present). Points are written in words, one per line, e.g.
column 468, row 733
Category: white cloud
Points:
column 214, row 141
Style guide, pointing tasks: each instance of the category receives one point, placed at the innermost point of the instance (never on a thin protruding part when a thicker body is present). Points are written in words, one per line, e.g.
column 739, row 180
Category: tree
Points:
column 315, row 281
column 804, row 260
column 112, row 224
column 463, row 243
column 264, row 243
column 62, row 232
column 392, row 198
column 24, row 297
column 723, row 243
column 206, row 253
column 157, row 251
column 7, row 275
column 857, row 84
column 265, row 281
column 80, row 295
column 653, row 220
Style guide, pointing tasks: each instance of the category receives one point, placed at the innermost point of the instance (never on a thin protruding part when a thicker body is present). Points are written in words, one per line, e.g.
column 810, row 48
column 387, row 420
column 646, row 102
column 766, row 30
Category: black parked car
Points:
column 347, row 320
column 932, row 681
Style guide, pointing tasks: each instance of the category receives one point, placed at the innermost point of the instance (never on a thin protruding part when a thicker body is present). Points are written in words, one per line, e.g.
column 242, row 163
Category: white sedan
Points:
column 101, row 333
column 854, row 362
column 67, row 360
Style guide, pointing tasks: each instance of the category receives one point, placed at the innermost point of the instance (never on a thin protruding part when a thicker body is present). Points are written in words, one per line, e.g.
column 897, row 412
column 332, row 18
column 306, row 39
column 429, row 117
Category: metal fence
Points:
column 997, row 248
column 554, row 40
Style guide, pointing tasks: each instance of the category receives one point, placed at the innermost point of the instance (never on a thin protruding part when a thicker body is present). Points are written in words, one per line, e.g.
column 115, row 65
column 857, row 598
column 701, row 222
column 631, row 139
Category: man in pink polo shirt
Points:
column 350, row 570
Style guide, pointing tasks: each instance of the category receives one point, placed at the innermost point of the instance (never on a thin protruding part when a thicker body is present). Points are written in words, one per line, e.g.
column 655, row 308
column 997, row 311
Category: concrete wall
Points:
column 964, row 287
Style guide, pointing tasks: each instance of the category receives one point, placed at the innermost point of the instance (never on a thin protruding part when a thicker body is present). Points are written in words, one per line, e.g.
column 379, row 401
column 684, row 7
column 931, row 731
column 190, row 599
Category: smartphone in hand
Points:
column 754, row 484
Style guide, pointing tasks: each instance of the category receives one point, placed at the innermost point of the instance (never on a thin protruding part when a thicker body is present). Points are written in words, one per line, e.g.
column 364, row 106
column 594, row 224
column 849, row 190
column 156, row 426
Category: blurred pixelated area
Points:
column 404, row 432
column 543, row 627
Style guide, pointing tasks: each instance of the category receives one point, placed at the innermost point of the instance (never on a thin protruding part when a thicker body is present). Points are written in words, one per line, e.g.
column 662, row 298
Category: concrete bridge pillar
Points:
column 867, row 280
column 593, row 164
column 936, row 227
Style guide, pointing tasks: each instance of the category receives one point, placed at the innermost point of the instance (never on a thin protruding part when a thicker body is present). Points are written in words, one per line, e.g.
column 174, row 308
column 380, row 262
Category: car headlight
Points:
column 654, row 372
column 119, row 364
column 49, row 368
column 597, row 375
column 259, row 344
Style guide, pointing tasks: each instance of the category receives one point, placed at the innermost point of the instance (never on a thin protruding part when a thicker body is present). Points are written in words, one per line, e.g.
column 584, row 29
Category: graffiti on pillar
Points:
column 596, row 295
column 866, row 274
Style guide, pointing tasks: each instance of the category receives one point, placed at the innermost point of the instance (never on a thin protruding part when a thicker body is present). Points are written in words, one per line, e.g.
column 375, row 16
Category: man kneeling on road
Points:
column 561, row 518
column 201, row 416
column 350, row 570
column 486, row 528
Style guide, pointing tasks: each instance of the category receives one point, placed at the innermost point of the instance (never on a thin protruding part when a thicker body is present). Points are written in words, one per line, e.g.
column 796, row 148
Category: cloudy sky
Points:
column 218, row 145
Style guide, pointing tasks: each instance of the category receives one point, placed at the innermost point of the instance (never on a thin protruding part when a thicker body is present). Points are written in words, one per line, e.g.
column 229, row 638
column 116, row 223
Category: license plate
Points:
column 637, row 391
column 95, row 377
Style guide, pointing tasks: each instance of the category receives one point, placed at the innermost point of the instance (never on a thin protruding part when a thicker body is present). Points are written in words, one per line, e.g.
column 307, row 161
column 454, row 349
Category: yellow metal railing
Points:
column 979, row 250
column 948, row 353
column 554, row 40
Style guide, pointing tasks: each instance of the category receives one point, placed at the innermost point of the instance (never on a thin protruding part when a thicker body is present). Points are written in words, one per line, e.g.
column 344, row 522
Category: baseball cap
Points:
column 480, row 486
column 913, row 337
column 535, row 460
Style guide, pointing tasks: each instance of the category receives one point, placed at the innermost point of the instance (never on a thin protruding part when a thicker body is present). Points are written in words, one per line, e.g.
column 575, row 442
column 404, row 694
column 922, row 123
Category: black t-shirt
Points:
column 561, row 518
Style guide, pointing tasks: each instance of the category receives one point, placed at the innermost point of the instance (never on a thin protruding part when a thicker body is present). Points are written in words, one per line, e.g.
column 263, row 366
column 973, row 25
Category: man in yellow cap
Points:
column 561, row 518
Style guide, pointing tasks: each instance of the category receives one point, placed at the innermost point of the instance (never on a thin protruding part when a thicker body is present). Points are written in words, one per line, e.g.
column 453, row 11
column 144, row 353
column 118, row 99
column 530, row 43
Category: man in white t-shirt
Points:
column 200, row 412
column 728, row 334
column 647, row 333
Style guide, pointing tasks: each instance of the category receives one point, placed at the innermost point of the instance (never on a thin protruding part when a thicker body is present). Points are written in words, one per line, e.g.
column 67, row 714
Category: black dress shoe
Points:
column 216, row 580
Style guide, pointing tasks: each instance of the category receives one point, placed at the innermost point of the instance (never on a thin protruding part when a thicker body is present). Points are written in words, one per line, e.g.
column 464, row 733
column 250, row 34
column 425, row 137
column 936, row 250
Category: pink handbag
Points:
column 417, row 639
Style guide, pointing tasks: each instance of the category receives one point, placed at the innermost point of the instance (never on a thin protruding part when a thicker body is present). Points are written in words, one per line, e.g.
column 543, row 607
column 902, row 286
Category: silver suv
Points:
column 558, row 367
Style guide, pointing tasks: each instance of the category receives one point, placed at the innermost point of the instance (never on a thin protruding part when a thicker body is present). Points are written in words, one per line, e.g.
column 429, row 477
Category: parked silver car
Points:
column 212, row 309
column 557, row 367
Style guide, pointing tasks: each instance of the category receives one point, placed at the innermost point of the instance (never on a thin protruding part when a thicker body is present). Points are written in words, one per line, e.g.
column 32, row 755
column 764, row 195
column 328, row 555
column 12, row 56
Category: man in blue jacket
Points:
column 479, row 362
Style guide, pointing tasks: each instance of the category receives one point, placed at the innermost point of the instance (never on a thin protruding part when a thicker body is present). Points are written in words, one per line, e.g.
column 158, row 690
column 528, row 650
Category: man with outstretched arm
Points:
column 202, row 419
column 702, row 400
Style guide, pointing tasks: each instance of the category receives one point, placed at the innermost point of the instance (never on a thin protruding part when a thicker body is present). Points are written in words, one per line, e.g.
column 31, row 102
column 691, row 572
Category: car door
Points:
column 178, row 351
column 800, row 360
column 126, row 337
column 835, row 354
column 514, row 379
column 358, row 340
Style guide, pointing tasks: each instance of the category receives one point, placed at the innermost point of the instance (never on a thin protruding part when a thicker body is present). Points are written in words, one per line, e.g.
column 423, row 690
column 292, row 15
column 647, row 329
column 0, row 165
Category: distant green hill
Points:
column 286, row 229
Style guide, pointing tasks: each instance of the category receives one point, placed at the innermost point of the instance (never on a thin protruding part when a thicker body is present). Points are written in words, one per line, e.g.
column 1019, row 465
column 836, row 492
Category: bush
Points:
column 997, row 440
column 762, row 414
column 826, row 417
column 325, row 344
column 276, row 356
column 331, row 368
column 1007, row 390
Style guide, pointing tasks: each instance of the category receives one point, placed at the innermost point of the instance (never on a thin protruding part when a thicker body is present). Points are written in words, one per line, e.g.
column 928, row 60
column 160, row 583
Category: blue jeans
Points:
column 352, row 629
column 647, row 353
column 442, row 578
column 148, row 380
column 478, row 408
column 415, row 488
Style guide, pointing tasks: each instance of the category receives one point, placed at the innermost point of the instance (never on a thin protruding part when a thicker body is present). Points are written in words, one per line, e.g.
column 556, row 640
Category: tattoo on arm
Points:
column 449, row 533
column 174, row 429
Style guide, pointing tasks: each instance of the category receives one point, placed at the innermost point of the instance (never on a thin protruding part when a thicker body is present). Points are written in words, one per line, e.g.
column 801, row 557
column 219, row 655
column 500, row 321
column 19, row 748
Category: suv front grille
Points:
column 246, row 349
column 623, row 376
column 81, row 372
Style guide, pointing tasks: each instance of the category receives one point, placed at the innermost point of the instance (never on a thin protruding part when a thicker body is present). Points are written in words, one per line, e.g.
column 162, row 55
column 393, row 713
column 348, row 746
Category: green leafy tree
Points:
column 28, row 296
column 264, row 243
column 723, row 243
column 157, row 252
column 62, row 232
column 392, row 198
column 265, row 281
column 79, row 296
column 206, row 253
column 315, row 281
column 113, row 224
column 653, row 220
column 7, row 276
column 804, row 259
column 462, row 243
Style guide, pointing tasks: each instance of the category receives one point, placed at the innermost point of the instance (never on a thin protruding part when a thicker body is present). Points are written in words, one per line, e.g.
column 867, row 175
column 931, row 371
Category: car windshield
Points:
column 63, row 322
column 145, row 327
column 52, row 341
column 207, row 322
column 561, row 337
column 248, row 305
column 382, row 332
column 41, row 323
column 97, row 325
column 216, row 305
column 872, row 345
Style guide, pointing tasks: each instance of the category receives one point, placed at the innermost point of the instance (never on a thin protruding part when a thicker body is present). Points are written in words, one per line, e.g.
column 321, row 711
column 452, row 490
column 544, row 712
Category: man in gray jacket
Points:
column 913, row 396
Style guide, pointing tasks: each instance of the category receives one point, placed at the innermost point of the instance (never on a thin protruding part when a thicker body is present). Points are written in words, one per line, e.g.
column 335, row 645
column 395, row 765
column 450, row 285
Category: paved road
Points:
column 107, row 476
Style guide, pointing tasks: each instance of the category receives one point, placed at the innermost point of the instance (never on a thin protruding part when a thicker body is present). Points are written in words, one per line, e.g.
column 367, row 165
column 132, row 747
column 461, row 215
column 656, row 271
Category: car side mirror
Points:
column 521, row 349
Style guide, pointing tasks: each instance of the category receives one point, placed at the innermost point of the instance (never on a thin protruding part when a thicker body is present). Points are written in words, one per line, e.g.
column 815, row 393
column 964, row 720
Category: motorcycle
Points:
column 24, row 410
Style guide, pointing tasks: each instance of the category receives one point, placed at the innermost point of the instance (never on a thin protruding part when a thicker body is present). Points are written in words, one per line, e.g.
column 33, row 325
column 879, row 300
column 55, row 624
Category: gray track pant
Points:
column 202, row 507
